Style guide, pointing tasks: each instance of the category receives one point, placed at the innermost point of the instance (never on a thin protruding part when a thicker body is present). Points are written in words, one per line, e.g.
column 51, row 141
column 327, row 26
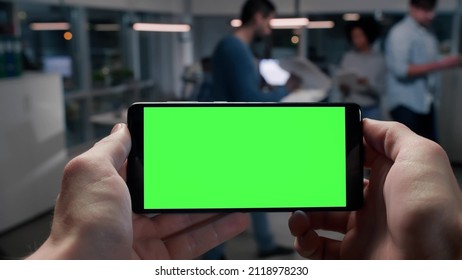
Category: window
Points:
column 47, row 41
column 108, row 63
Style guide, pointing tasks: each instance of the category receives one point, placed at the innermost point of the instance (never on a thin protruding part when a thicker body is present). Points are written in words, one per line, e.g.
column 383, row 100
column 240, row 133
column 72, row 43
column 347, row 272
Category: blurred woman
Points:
column 362, row 75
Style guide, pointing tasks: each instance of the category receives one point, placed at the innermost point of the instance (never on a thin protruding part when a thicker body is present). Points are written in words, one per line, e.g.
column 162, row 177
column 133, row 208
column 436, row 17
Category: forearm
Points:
column 423, row 69
column 416, row 70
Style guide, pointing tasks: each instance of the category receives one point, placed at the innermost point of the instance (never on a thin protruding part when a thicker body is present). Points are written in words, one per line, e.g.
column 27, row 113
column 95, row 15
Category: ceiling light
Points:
column 295, row 39
column 351, row 17
column 161, row 27
column 321, row 24
column 236, row 23
column 289, row 23
column 280, row 23
column 68, row 36
column 49, row 26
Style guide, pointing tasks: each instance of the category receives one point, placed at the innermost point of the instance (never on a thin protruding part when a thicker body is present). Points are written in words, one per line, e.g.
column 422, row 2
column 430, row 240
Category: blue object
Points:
column 235, row 74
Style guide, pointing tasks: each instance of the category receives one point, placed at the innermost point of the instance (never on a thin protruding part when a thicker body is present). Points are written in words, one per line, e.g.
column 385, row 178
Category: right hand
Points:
column 450, row 61
column 412, row 208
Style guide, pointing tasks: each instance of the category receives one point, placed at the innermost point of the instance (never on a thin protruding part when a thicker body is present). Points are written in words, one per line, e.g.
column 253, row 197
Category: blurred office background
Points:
column 70, row 68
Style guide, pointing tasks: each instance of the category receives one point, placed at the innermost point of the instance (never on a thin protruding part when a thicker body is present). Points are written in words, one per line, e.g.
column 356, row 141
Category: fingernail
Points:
column 299, row 212
column 116, row 128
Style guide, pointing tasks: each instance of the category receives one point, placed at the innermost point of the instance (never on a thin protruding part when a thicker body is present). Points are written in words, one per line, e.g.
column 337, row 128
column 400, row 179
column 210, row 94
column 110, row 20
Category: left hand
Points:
column 93, row 217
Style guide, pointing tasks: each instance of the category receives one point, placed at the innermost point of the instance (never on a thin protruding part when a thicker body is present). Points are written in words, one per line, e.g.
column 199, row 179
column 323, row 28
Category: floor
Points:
column 23, row 240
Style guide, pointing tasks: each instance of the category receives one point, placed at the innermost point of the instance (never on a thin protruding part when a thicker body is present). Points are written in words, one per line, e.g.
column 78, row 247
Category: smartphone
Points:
column 209, row 157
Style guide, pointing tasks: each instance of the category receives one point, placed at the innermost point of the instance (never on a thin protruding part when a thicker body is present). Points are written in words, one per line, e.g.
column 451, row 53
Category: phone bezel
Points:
column 353, row 144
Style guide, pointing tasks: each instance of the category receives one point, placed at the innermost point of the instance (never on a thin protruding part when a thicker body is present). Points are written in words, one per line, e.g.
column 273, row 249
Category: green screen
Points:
column 244, row 157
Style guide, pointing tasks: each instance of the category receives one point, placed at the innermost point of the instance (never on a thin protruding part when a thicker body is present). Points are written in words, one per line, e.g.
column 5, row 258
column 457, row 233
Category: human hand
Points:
column 93, row 217
column 450, row 61
column 412, row 209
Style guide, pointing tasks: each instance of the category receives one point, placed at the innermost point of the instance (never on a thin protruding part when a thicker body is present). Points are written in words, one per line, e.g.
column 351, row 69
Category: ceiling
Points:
column 232, row 7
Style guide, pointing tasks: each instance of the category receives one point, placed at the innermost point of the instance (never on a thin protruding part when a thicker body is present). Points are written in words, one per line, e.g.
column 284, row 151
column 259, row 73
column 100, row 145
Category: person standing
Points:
column 236, row 79
column 367, row 65
column 235, row 73
column 412, row 58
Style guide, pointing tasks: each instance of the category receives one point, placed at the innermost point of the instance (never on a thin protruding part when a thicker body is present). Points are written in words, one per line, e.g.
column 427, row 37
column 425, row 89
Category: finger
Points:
column 394, row 142
column 167, row 225
column 312, row 246
column 102, row 161
column 388, row 138
column 193, row 243
column 301, row 223
column 365, row 183
column 370, row 155
column 149, row 234
column 114, row 147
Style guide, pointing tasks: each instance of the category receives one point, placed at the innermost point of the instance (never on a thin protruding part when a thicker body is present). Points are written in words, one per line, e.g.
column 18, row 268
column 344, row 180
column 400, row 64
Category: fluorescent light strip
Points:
column 49, row 26
column 289, row 23
column 158, row 27
column 351, row 17
column 321, row 25
column 280, row 23
column 107, row 27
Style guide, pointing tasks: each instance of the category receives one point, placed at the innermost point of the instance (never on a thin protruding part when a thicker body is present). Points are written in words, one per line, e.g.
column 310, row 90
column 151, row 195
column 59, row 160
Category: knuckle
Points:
column 82, row 169
column 433, row 149
column 76, row 166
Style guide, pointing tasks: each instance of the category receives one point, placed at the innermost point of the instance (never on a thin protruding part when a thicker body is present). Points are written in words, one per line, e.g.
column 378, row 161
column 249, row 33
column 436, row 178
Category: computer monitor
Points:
column 58, row 64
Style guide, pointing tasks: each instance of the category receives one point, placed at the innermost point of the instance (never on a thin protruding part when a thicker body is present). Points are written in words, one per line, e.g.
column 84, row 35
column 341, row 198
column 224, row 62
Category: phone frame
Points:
column 353, row 145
